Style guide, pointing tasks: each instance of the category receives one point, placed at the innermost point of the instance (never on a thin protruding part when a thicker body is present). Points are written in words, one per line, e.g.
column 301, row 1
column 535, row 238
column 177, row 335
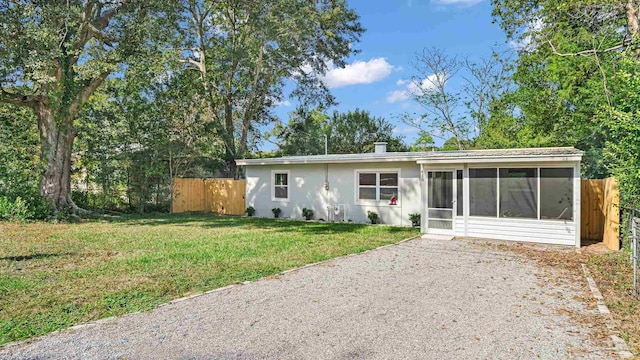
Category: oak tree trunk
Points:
column 56, row 143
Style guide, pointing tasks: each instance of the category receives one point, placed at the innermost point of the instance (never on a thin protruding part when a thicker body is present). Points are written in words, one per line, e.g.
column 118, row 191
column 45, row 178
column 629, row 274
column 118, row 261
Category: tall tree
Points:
column 245, row 51
column 53, row 57
column 304, row 134
column 455, row 114
column 355, row 132
column 569, row 53
column 430, row 88
column 346, row 133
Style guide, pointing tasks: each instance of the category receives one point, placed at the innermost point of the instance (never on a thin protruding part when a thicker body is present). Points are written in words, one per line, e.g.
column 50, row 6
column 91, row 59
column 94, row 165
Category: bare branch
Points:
column 589, row 52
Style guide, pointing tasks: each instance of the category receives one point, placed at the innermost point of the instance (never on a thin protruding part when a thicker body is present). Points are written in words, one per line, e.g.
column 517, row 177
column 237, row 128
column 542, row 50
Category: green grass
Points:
column 55, row 276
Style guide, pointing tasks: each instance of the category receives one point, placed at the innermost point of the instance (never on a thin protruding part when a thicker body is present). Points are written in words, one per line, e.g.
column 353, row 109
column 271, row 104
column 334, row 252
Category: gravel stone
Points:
column 415, row 300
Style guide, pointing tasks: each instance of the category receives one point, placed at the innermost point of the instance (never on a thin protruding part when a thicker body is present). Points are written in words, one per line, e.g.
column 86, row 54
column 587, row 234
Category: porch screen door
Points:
column 440, row 200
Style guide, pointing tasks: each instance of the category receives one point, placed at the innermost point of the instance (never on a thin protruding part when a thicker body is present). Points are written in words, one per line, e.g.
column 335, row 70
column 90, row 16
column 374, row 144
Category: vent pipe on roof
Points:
column 380, row 147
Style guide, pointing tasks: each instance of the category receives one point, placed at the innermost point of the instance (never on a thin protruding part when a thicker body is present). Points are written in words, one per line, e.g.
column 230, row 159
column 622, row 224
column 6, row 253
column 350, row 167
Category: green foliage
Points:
column 246, row 51
column 355, row 132
column 347, row 133
column 621, row 126
column 307, row 213
column 138, row 133
column 20, row 166
column 53, row 57
column 570, row 52
column 16, row 210
column 304, row 134
column 424, row 142
column 373, row 217
column 250, row 211
column 415, row 219
column 276, row 212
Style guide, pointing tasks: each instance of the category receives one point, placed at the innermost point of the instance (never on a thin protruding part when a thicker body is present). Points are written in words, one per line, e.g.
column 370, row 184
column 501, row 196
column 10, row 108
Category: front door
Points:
column 440, row 201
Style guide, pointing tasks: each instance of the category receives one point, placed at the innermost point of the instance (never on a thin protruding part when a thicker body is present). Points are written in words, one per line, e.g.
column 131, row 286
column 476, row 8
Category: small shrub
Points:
column 276, row 212
column 415, row 219
column 16, row 210
column 307, row 213
column 373, row 217
column 250, row 211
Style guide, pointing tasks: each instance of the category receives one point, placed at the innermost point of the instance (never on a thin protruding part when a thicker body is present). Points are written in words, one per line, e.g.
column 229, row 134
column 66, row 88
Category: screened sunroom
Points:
column 513, row 195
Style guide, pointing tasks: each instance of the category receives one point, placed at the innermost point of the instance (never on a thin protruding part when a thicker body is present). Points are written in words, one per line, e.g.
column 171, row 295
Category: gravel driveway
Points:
column 415, row 300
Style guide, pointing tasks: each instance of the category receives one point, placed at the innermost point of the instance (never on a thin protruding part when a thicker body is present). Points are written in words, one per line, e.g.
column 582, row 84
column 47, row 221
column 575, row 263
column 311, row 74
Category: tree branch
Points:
column 87, row 91
column 196, row 64
column 18, row 99
column 588, row 52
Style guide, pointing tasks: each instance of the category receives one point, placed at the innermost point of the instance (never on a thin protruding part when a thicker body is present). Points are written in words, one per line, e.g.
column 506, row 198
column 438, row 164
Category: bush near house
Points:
column 307, row 213
column 373, row 217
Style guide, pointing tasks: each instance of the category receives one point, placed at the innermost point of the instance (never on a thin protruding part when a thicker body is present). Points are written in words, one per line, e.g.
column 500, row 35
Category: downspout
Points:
column 326, row 174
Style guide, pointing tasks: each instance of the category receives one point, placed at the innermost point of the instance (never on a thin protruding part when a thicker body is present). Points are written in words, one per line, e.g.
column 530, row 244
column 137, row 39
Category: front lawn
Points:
column 55, row 276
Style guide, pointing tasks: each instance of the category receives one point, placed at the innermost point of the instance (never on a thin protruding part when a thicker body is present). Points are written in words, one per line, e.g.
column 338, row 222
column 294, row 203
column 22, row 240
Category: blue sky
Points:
column 395, row 31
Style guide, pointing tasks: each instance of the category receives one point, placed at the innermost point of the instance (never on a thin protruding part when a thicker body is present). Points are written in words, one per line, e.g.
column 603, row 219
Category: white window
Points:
column 280, row 185
column 377, row 185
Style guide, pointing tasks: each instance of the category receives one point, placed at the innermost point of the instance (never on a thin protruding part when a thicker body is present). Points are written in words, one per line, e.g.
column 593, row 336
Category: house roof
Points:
column 458, row 156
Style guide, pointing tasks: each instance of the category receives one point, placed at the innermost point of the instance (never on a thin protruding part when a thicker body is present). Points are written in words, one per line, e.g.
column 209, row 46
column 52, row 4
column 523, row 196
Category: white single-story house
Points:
column 510, row 194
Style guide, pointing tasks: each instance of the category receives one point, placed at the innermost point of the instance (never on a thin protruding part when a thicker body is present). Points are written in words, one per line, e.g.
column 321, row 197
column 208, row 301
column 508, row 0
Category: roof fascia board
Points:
column 468, row 159
column 276, row 161
column 502, row 159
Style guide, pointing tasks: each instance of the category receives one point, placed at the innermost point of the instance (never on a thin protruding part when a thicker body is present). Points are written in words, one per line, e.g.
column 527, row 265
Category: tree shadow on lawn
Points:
column 36, row 256
column 212, row 221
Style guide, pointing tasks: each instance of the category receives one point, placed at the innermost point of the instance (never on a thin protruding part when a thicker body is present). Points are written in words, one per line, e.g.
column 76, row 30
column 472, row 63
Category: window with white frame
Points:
column 280, row 185
column 377, row 185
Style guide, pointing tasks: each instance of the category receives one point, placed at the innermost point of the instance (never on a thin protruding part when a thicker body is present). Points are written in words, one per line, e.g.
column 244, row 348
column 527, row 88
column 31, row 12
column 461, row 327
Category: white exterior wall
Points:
column 306, row 190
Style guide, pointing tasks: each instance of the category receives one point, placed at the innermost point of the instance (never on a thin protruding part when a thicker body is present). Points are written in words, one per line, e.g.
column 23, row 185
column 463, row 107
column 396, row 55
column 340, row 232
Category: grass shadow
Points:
column 212, row 221
column 36, row 256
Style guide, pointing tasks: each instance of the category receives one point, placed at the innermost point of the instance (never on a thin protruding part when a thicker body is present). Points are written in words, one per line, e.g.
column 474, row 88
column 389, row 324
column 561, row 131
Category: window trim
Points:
column 377, row 201
column 273, row 185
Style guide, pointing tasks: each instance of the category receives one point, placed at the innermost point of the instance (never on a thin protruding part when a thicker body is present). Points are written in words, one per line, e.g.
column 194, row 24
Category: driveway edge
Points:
column 178, row 300
column 620, row 346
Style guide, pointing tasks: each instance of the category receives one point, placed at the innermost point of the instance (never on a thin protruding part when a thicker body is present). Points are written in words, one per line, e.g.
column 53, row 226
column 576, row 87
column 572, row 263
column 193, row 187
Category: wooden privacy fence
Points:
column 600, row 211
column 220, row 196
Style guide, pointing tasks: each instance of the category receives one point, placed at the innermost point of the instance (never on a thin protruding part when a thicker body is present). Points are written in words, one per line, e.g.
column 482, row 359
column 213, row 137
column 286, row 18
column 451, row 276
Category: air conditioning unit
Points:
column 337, row 212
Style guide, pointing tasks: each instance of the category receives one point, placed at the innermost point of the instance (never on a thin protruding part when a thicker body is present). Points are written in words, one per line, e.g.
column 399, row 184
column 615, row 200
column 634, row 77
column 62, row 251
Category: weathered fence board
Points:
column 600, row 211
column 220, row 196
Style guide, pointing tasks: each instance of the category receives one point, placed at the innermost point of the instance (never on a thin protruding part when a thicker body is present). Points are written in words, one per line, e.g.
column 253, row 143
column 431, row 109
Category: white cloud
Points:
column 285, row 103
column 412, row 88
column 462, row 3
column 398, row 96
column 404, row 130
column 359, row 72
column 427, row 84
column 528, row 41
